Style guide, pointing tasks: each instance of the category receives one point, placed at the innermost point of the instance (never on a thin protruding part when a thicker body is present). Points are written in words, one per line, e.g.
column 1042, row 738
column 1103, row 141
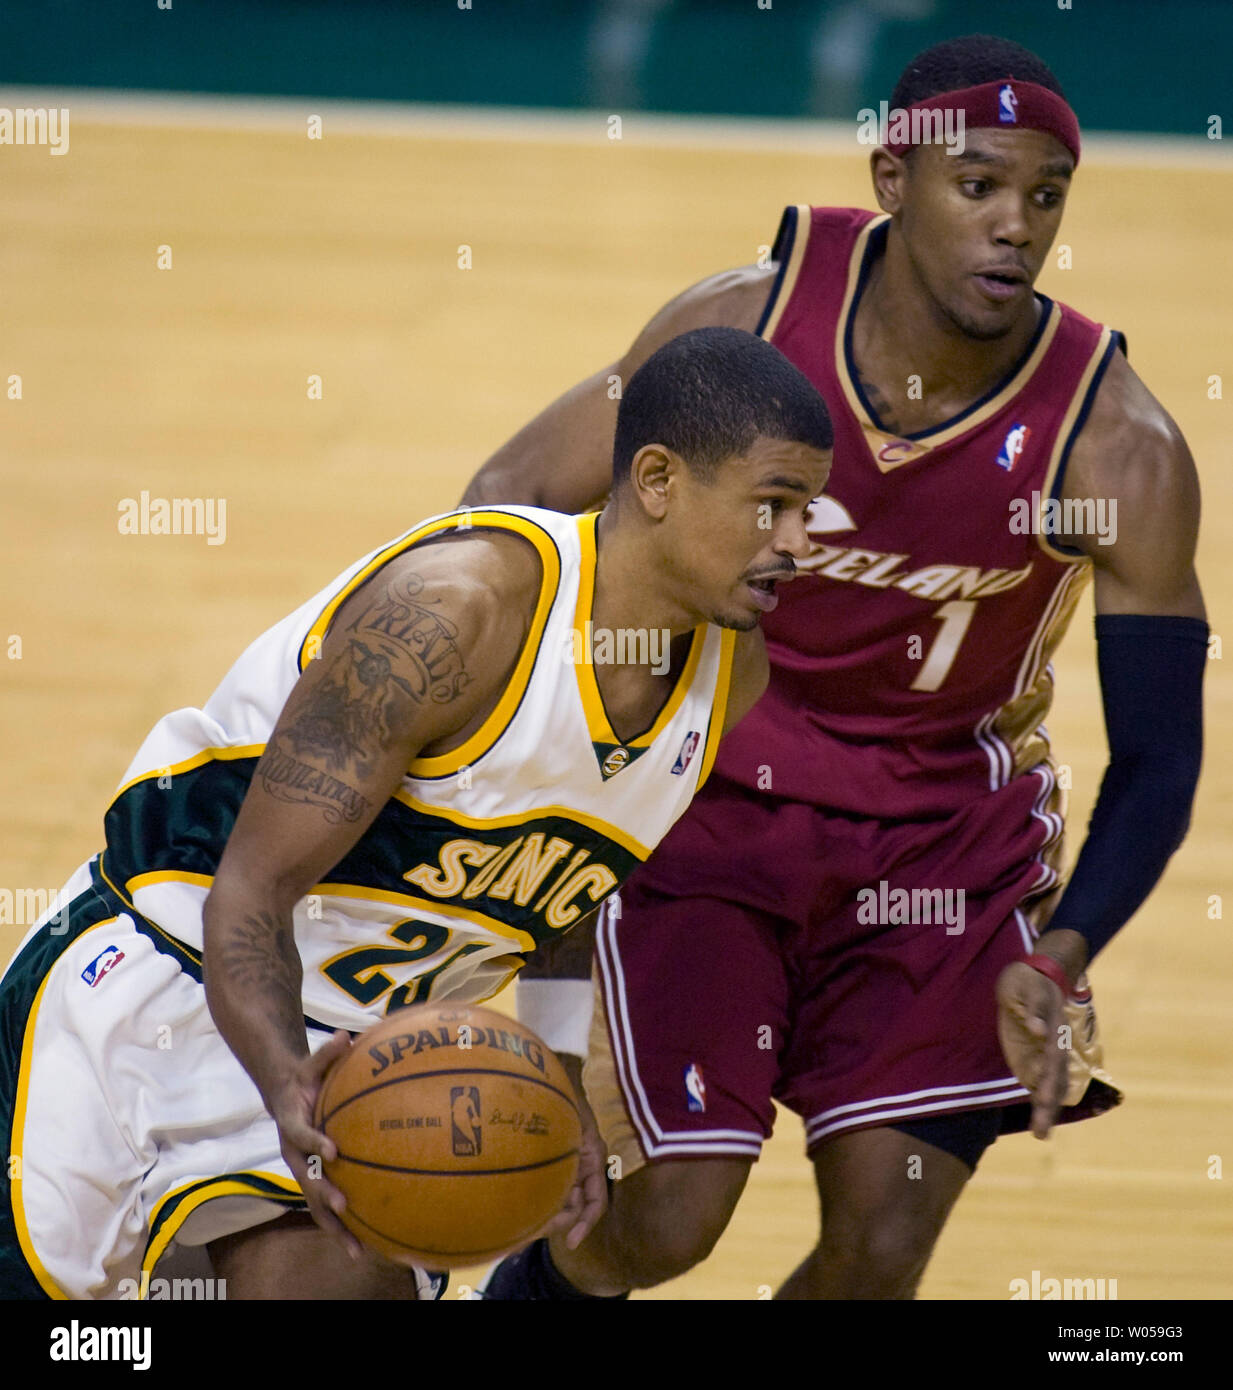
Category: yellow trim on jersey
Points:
column 1063, row 440
column 613, row 832
column 598, row 724
column 783, row 294
column 46, row 1282
column 126, row 899
column 470, row 519
column 432, row 905
column 245, row 750
column 350, row 890
column 447, row 764
column 400, row 900
column 719, row 708
column 140, row 881
column 220, row 1187
column 924, row 444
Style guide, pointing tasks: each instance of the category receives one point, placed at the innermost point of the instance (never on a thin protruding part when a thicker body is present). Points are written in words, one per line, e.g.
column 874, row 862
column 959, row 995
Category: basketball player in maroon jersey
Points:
column 899, row 747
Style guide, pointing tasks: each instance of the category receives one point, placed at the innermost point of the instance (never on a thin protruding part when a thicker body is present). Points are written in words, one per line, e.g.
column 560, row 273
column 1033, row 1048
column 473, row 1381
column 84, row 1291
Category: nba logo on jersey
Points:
column 688, row 748
column 695, row 1088
column 106, row 960
column 465, row 1121
column 1008, row 105
column 1013, row 445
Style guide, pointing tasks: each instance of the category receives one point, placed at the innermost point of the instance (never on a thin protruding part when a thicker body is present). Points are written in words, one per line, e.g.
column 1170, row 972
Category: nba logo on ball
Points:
column 465, row 1120
column 1008, row 105
column 695, row 1088
column 688, row 749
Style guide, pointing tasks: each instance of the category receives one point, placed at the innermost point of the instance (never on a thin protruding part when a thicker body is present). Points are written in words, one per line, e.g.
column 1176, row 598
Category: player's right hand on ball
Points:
column 588, row 1198
column 304, row 1147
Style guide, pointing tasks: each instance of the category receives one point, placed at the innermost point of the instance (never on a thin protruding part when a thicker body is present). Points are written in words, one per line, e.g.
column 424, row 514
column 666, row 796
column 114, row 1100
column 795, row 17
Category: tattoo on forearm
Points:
column 259, row 954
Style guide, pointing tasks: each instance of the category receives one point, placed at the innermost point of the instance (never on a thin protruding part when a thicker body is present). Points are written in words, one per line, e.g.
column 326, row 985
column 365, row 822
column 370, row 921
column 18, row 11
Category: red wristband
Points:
column 1053, row 971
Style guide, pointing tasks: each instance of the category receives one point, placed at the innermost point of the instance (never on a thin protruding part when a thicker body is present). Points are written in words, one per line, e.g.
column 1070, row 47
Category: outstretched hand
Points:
column 1031, row 1029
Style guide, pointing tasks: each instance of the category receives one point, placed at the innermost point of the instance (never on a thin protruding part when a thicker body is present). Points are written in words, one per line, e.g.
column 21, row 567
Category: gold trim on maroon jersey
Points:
column 1068, row 431
column 888, row 450
column 783, row 291
column 1017, row 723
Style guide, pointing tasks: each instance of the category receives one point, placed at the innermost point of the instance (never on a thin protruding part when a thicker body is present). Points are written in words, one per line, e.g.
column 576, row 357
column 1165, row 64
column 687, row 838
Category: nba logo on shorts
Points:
column 1008, row 105
column 688, row 749
column 695, row 1088
column 101, row 964
column 1013, row 445
column 465, row 1121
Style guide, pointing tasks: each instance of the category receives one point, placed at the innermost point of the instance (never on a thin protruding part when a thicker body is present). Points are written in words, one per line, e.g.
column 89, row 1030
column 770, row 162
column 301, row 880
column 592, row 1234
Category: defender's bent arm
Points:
column 1151, row 634
column 1151, row 639
column 562, row 460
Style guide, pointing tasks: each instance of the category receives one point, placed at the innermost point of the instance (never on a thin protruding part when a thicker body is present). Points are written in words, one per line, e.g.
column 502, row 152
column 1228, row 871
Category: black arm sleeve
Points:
column 1151, row 681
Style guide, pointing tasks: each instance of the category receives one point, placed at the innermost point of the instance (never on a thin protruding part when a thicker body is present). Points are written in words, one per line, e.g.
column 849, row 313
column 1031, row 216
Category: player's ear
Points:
column 652, row 475
column 890, row 174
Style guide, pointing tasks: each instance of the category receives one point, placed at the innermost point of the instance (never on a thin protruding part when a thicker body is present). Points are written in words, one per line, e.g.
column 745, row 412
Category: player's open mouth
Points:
column 1000, row 285
column 763, row 591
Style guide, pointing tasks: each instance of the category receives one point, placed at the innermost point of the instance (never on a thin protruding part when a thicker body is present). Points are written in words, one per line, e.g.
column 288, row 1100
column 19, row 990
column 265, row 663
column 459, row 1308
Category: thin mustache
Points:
column 789, row 573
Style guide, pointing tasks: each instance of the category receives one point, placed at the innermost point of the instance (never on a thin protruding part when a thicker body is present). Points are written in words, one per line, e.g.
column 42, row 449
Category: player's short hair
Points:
column 969, row 61
column 708, row 394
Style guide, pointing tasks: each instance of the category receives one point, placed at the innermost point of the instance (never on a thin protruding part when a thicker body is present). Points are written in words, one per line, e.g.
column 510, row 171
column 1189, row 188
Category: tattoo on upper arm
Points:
column 397, row 651
column 404, row 625
column 286, row 778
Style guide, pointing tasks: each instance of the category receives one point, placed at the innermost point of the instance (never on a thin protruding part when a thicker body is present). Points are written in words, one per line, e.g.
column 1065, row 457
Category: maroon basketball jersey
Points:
column 910, row 658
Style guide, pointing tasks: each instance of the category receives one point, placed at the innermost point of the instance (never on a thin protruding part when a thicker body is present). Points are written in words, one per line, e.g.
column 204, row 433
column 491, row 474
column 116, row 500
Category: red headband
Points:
column 1008, row 103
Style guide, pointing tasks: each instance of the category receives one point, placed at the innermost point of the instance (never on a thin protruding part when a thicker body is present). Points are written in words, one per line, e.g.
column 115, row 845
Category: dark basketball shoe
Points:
column 530, row 1274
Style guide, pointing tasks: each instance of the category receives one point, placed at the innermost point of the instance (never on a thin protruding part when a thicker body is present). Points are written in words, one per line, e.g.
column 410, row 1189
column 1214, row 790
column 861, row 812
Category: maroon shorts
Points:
column 764, row 951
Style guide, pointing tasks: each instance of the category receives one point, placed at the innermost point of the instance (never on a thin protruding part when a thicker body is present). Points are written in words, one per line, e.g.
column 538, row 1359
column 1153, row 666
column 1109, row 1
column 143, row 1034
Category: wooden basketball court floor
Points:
column 338, row 257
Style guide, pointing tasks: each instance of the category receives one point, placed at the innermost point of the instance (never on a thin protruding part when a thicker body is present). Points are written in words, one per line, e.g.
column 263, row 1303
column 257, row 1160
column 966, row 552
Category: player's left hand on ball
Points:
column 1031, row 1013
column 588, row 1198
column 303, row 1145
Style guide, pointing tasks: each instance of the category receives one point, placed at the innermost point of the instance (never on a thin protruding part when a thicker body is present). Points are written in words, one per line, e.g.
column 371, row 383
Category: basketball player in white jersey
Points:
column 396, row 793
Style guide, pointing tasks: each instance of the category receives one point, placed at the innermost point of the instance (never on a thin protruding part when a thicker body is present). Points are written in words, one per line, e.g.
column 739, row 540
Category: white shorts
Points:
column 134, row 1134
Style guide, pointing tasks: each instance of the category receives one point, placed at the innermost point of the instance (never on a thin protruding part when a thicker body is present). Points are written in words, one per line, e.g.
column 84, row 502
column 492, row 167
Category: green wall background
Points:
column 1146, row 65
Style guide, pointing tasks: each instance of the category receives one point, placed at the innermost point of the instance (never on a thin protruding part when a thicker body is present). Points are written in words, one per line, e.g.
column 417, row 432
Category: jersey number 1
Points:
column 955, row 617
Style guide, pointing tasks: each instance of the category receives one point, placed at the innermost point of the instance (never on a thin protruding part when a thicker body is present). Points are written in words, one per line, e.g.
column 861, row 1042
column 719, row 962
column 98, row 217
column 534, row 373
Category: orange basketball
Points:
column 457, row 1134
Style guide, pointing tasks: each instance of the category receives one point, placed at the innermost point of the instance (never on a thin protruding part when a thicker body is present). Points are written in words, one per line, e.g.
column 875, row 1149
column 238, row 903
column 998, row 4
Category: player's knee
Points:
column 291, row 1258
column 665, row 1250
column 667, row 1217
column 880, row 1255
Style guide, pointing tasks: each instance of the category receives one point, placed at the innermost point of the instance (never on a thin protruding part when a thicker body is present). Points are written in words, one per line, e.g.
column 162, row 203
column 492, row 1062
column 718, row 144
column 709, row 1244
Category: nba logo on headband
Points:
column 1024, row 105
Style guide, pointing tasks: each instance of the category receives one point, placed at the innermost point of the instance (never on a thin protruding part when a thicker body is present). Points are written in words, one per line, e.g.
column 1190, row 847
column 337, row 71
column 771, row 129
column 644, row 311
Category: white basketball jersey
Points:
column 482, row 853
